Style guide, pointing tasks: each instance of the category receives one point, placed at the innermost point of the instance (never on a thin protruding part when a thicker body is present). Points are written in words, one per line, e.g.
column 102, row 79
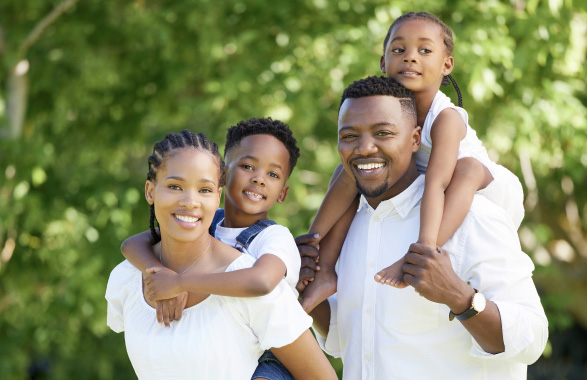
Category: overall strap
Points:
column 218, row 216
column 244, row 239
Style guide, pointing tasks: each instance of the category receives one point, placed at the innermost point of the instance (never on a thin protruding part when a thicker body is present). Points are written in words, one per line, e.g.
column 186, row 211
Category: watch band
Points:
column 472, row 311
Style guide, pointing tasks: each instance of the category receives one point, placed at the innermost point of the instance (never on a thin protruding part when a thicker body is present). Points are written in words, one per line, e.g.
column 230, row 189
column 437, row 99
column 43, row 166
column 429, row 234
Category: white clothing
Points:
column 219, row 338
column 505, row 190
column 275, row 240
column 386, row 333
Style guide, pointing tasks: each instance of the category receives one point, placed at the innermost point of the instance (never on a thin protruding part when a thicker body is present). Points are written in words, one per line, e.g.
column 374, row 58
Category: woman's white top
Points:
column 219, row 338
column 505, row 190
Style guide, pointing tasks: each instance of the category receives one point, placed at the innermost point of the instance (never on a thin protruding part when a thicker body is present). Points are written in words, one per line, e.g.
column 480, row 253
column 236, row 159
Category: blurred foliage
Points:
column 107, row 79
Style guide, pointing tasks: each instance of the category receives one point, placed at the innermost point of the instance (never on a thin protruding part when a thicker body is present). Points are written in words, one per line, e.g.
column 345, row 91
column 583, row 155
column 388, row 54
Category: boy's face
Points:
column 256, row 172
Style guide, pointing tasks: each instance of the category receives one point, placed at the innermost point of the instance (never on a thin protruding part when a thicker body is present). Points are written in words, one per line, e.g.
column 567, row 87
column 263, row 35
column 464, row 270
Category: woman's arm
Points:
column 258, row 280
column 305, row 360
column 447, row 132
column 138, row 250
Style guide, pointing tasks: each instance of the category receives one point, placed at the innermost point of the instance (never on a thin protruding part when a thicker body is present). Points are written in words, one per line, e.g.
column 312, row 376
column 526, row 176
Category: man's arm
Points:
column 431, row 274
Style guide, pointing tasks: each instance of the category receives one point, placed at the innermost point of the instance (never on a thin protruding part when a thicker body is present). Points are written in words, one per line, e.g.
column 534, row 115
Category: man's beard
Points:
column 372, row 193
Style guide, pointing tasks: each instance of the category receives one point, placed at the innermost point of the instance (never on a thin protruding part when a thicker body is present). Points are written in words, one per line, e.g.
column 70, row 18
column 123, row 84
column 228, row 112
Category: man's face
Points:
column 376, row 143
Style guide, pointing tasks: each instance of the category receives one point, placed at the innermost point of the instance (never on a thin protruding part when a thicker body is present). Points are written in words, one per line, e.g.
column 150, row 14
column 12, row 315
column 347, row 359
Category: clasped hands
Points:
column 161, row 288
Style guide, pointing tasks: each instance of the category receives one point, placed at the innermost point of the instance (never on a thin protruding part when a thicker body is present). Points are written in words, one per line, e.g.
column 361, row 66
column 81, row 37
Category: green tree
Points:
column 101, row 81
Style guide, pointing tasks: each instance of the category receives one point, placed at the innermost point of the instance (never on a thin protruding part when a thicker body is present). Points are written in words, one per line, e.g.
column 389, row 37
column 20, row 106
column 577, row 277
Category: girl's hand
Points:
column 161, row 283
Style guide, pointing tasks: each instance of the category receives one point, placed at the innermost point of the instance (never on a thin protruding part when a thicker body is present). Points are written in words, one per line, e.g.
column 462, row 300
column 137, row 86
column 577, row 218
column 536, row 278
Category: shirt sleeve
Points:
column 331, row 343
column 277, row 319
column 494, row 264
column 278, row 241
column 117, row 292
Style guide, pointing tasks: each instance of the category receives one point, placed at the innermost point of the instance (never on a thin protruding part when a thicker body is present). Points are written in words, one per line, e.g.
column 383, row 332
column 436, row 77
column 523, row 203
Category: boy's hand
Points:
column 170, row 310
column 161, row 283
column 308, row 248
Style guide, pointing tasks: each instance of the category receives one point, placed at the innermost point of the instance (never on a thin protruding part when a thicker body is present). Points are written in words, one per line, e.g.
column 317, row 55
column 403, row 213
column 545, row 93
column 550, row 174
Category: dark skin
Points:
column 426, row 269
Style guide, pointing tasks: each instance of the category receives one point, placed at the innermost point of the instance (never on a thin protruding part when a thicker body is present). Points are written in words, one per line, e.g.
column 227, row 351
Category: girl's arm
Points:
column 138, row 250
column 447, row 132
column 341, row 194
column 304, row 359
column 256, row 281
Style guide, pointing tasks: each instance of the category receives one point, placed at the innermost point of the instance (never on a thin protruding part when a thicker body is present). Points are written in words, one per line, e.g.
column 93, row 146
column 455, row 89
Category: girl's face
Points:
column 186, row 193
column 416, row 56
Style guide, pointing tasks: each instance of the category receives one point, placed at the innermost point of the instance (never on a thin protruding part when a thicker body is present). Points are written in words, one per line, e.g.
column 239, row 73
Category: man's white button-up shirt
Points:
column 386, row 333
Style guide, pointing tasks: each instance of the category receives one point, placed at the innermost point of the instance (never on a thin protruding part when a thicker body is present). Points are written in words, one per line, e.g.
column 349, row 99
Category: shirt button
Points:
column 371, row 264
column 376, row 218
column 367, row 357
column 369, row 311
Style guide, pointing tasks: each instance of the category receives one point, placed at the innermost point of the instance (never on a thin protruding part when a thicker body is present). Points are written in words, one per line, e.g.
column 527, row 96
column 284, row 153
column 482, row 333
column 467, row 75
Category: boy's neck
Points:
column 237, row 219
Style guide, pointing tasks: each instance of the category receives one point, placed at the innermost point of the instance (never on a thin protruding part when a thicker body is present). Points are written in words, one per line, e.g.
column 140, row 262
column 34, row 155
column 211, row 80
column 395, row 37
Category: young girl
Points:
column 218, row 337
column 417, row 53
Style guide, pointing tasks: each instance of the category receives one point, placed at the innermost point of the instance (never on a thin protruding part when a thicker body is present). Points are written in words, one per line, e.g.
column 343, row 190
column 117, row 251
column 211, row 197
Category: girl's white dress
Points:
column 505, row 190
column 219, row 338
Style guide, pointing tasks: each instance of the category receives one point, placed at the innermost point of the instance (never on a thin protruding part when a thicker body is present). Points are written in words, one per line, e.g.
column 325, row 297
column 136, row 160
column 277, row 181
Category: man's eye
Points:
column 348, row 137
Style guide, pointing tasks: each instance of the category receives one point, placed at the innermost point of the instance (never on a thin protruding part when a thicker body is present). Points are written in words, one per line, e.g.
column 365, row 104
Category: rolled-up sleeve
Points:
column 495, row 265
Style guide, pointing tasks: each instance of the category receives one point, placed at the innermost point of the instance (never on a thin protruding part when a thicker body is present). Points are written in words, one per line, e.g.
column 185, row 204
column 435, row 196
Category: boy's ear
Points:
column 149, row 188
column 282, row 194
column 382, row 64
column 449, row 64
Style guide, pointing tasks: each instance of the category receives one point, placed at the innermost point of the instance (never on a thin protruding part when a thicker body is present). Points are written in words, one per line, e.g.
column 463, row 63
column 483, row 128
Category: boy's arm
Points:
column 256, row 281
column 138, row 250
column 341, row 194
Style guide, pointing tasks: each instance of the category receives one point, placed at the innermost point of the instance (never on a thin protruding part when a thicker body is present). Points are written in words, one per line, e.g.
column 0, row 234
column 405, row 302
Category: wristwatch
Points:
column 477, row 305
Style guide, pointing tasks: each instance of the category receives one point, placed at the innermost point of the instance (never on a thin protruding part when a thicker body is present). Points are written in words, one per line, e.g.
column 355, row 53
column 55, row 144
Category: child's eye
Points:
column 397, row 50
column 425, row 51
column 274, row 175
column 246, row 166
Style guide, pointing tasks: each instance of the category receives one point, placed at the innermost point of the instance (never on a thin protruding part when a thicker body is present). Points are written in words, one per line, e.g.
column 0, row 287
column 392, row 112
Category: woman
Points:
column 217, row 337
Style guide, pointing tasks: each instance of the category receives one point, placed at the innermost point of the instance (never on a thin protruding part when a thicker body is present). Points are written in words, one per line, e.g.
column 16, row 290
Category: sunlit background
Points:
column 87, row 87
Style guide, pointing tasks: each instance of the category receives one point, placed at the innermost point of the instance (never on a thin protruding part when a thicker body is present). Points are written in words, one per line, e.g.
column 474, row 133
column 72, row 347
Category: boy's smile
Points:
column 256, row 172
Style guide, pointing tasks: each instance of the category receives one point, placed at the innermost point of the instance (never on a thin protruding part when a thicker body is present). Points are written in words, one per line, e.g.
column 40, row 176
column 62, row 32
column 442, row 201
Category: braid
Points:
column 163, row 148
column 154, row 234
column 457, row 89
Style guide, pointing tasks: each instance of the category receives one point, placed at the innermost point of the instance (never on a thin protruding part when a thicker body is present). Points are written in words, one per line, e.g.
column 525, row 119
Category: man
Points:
column 481, row 275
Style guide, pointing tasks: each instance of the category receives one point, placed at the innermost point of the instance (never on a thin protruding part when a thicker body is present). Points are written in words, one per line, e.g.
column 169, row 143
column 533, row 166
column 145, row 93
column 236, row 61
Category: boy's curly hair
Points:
column 263, row 126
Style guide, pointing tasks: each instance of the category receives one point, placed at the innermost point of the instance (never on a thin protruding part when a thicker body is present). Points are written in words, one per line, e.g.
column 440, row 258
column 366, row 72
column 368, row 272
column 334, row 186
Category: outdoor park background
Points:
column 88, row 86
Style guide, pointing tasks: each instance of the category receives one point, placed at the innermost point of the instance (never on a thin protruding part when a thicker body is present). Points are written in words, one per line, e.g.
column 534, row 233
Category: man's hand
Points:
column 309, row 251
column 431, row 274
column 170, row 310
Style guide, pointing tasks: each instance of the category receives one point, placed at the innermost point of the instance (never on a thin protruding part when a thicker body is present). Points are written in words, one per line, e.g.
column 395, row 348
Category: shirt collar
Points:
column 402, row 203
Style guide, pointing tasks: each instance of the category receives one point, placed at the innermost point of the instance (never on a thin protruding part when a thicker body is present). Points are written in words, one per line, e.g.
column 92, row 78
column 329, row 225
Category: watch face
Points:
column 479, row 302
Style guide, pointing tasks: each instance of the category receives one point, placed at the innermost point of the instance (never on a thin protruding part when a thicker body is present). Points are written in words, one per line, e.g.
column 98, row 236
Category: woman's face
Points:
column 186, row 193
